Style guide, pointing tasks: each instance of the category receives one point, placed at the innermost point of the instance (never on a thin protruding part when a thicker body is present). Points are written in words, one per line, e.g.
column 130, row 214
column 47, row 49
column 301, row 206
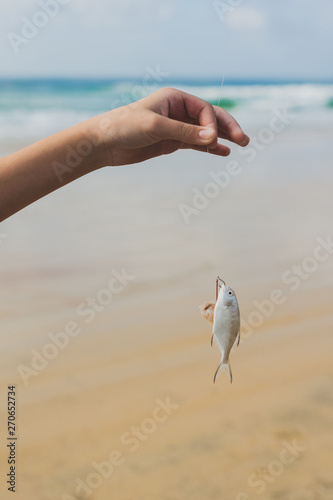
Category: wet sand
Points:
column 268, row 435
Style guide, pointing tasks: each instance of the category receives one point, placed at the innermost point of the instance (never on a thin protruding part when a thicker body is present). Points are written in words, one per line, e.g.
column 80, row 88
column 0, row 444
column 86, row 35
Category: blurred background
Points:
column 137, row 376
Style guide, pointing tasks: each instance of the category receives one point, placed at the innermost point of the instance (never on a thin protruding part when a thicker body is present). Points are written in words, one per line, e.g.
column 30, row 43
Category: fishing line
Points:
column 226, row 63
column 185, row 173
column 215, row 217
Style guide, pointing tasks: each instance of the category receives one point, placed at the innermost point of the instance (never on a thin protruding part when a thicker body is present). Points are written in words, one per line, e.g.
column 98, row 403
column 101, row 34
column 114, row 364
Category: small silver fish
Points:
column 226, row 326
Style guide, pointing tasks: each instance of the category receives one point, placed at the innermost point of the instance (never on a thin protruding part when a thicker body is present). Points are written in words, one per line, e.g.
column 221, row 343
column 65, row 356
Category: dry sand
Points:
column 150, row 345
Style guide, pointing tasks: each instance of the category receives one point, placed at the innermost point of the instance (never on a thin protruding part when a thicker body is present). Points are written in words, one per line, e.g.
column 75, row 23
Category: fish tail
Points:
column 223, row 367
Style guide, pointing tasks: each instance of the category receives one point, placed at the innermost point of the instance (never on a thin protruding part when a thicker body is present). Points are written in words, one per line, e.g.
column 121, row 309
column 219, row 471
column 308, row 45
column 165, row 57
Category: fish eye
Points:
column 230, row 292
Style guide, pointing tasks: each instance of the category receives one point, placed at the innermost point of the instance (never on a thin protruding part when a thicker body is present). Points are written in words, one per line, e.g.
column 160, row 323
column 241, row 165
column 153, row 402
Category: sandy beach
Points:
column 127, row 409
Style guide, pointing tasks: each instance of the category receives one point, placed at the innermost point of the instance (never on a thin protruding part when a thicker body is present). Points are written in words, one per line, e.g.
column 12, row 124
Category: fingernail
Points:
column 246, row 141
column 206, row 133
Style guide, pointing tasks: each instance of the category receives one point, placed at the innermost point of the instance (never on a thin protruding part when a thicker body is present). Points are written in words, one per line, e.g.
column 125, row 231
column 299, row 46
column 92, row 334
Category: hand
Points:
column 159, row 124
column 164, row 122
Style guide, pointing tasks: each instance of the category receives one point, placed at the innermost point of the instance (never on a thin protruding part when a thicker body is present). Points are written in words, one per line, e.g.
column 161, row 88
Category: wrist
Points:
column 92, row 143
column 99, row 132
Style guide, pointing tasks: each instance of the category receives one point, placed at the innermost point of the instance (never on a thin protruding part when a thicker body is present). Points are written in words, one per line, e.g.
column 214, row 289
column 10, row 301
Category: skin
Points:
column 159, row 124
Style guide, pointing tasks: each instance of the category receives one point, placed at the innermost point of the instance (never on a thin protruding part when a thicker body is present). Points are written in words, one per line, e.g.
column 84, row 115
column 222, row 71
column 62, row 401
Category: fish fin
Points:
column 207, row 311
column 212, row 340
column 223, row 367
column 207, row 306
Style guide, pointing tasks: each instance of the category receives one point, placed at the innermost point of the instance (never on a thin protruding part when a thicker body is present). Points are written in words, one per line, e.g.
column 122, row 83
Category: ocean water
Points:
column 32, row 109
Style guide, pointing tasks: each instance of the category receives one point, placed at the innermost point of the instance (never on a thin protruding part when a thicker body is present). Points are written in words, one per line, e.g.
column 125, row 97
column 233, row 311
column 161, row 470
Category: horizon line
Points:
column 177, row 79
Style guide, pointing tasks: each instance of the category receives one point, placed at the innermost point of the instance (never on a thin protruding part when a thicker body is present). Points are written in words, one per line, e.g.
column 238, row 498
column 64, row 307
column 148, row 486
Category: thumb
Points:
column 186, row 132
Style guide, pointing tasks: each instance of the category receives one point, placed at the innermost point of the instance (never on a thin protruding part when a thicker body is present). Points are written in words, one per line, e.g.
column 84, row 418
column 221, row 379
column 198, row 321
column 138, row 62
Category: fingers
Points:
column 203, row 112
column 187, row 133
column 187, row 108
column 177, row 110
column 229, row 128
column 220, row 149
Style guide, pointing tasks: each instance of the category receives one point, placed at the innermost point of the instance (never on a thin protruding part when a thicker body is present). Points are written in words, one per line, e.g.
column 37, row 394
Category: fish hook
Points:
column 218, row 285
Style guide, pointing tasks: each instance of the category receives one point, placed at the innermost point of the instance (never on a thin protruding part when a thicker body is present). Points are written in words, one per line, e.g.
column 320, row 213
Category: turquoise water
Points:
column 30, row 109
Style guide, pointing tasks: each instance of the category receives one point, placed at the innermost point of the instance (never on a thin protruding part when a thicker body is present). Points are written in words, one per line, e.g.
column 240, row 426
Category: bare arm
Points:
column 162, row 123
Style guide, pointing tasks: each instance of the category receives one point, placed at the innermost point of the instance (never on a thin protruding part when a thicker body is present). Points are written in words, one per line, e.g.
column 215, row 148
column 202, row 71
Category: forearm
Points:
column 33, row 172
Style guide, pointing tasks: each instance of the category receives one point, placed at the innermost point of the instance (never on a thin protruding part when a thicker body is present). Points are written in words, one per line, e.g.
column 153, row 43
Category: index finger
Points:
column 203, row 112
column 183, row 106
column 230, row 127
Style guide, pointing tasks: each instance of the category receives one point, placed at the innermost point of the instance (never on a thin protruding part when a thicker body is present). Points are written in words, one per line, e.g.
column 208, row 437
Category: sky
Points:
column 245, row 39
